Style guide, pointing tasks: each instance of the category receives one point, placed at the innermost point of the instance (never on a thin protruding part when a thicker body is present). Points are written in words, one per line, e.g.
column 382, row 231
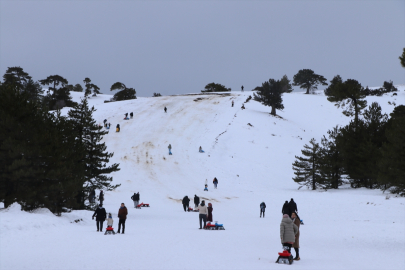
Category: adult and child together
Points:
column 101, row 216
column 290, row 228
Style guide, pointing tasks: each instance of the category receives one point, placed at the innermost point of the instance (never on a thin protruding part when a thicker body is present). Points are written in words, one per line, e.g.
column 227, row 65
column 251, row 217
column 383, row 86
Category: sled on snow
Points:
column 214, row 226
column 109, row 230
column 126, row 118
column 285, row 257
column 139, row 206
column 192, row 210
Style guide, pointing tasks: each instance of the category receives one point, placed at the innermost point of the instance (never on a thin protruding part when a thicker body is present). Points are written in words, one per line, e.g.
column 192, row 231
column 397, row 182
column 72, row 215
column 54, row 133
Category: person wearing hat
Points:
column 203, row 212
column 100, row 215
column 288, row 230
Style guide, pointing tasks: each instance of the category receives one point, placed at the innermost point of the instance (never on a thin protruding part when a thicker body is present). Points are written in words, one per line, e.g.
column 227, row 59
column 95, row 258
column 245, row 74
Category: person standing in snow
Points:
column 170, row 149
column 165, row 110
column 210, row 209
column 100, row 215
column 262, row 209
column 126, row 115
column 286, row 209
column 105, row 122
column 215, row 182
column 243, row 107
column 242, row 88
column 118, row 128
column 232, row 103
column 288, row 230
column 135, row 198
column 196, row 201
column 296, row 244
column 101, row 197
column 122, row 215
column 292, row 207
column 186, row 203
column 132, row 115
column 203, row 212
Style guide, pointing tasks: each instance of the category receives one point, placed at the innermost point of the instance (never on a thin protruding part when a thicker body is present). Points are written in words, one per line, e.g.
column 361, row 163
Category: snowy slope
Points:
column 344, row 229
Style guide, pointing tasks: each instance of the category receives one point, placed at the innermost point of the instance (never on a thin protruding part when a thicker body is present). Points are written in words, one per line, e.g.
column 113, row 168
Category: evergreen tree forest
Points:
column 46, row 159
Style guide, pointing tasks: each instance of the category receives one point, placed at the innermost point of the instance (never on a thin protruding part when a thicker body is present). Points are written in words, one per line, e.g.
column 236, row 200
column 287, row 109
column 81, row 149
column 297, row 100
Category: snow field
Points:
column 344, row 229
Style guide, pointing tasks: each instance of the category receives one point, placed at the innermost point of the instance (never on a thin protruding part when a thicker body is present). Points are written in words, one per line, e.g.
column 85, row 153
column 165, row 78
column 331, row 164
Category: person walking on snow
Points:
column 203, row 212
column 215, row 182
column 232, row 103
column 296, row 245
column 186, row 203
column 210, row 209
column 100, row 215
column 288, row 230
column 135, row 198
column 262, row 209
column 170, row 149
column 286, row 209
column 165, row 110
column 196, row 201
column 292, row 207
column 122, row 215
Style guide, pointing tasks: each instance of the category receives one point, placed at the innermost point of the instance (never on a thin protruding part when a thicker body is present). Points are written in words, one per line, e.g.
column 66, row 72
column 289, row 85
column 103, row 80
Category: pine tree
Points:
column 77, row 88
column 124, row 93
column 348, row 95
column 270, row 94
column 307, row 79
column 16, row 76
column 57, row 98
column 286, row 85
column 89, row 135
column 215, row 87
column 306, row 169
column 87, row 85
column 402, row 58
column 331, row 167
column 392, row 163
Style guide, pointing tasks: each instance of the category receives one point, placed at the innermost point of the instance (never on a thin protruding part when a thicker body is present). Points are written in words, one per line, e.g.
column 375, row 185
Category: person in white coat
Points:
column 203, row 212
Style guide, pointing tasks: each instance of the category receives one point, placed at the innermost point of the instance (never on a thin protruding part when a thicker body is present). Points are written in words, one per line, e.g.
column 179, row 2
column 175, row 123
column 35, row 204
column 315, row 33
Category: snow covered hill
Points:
column 251, row 153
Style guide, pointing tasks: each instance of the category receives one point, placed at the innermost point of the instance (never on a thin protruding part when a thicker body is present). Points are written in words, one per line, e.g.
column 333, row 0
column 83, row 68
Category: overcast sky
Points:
column 174, row 47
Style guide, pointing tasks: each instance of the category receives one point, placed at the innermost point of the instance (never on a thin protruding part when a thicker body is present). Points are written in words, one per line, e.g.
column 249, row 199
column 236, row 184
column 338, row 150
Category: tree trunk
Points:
column 273, row 110
column 307, row 91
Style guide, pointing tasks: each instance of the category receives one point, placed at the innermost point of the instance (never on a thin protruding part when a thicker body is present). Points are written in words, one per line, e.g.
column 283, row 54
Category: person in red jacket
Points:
column 210, row 209
column 122, row 215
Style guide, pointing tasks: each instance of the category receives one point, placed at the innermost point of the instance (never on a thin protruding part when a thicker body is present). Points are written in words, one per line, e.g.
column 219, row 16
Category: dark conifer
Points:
column 306, row 169
column 307, row 79
column 124, row 93
column 270, row 94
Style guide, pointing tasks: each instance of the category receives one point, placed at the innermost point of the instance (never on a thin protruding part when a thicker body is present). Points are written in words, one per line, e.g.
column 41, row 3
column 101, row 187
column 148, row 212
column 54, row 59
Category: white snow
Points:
column 344, row 229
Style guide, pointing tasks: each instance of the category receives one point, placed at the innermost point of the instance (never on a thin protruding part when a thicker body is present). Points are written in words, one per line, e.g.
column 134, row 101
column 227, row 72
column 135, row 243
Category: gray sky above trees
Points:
column 175, row 47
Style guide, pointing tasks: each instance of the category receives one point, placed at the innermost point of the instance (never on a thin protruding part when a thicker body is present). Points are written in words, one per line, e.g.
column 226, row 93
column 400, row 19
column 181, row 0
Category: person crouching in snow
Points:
column 288, row 230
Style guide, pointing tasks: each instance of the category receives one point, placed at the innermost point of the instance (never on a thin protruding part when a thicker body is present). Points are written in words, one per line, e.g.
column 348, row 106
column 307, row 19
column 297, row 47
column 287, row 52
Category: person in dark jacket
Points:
column 126, row 115
column 100, row 215
column 262, row 209
column 196, row 201
column 135, row 198
column 210, row 209
column 132, row 115
column 215, row 182
column 165, row 110
column 101, row 197
column 186, row 203
column 286, row 209
column 292, row 207
column 92, row 196
column 122, row 215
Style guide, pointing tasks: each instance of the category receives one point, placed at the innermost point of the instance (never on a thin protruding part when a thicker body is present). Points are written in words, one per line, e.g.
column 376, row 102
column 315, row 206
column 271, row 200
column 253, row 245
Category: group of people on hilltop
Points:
column 101, row 215
column 289, row 228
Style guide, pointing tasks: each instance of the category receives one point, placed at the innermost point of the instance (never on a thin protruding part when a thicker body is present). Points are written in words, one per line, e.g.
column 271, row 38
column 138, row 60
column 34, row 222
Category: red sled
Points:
column 109, row 230
column 285, row 257
column 142, row 205
column 191, row 210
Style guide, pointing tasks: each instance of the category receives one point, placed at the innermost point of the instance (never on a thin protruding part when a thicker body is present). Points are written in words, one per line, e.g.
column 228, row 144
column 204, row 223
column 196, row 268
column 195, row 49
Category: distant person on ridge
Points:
column 186, row 203
column 165, row 110
column 242, row 88
column 262, row 209
column 196, row 201
column 285, row 209
column 100, row 215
